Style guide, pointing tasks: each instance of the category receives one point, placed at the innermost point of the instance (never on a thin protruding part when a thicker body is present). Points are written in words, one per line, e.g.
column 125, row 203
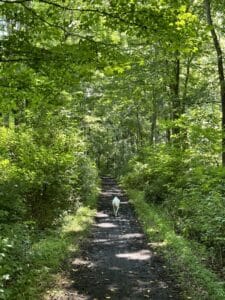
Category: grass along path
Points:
column 56, row 248
column 184, row 257
column 43, row 258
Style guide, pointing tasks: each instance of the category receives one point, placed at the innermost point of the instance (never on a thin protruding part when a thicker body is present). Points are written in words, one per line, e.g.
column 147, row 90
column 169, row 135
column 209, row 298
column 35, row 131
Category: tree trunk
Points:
column 153, row 121
column 184, row 98
column 139, row 129
column 184, row 101
column 175, row 88
column 220, row 72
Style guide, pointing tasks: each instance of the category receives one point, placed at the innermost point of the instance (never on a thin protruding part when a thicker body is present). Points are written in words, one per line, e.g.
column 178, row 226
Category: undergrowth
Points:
column 185, row 258
column 45, row 256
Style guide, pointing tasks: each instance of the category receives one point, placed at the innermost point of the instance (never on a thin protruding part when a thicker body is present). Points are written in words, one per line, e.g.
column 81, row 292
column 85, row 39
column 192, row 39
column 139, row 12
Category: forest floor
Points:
column 116, row 262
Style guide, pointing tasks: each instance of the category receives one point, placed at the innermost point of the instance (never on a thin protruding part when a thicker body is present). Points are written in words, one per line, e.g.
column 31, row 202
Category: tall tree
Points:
column 220, row 71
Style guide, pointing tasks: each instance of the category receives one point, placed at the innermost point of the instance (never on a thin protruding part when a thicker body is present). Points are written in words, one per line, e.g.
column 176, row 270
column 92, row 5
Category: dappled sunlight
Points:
column 105, row 194
column 158, row 244
column 79, row 261
column 116, row 262
column 122, row 220
column 100, row 240
column 106, row 225
column 152, row 230
column 138, row 255
column 124, row 203
column 162, row 285
column 131, row 236
column 78, row 223
column 113, row 288
column 100, row 214
column 111, row 192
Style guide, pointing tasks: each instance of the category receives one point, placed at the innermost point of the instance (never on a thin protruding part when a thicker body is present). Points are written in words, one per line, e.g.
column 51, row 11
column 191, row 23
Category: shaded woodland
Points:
column 130, row 88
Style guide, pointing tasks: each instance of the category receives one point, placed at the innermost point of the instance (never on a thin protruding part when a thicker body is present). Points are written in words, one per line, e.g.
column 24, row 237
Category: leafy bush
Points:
column 188, row 185
column 43, row 175
column 153, row 171
column 28, row 257
column 40, row 181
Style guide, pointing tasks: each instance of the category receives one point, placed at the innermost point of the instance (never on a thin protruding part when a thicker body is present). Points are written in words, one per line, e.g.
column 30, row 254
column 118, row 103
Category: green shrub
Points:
column 186, row 259
column 189, row 191
column 30, row 257
column 43, row 176
column 40, row 181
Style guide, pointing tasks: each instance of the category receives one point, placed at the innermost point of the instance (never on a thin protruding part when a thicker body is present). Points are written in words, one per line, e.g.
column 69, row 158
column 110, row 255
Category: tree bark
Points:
column 187, row 75
column 153, row 137
column 175, row 89
column 220, row 72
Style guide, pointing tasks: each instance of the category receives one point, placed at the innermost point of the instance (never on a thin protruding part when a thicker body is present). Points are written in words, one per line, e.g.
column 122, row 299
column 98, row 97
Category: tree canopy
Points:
column 133, row 88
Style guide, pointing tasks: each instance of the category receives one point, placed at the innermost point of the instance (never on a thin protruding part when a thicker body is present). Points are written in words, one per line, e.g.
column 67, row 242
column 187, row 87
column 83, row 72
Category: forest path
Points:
column 116, row 261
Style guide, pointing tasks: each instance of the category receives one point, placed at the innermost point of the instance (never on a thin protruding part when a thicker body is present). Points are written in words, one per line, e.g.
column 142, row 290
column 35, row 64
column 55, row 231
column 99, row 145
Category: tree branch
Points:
column 14, row 1
column 42, row 19
column 101, row 12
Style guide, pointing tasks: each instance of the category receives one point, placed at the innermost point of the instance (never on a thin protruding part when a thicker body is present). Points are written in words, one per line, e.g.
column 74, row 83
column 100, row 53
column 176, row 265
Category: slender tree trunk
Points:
column 183, row 102
column 175, row 89
column 168, row 135
column 153, row 137
column 139, row 128
column 220, row 72
column 153, row 128
column 184, row 98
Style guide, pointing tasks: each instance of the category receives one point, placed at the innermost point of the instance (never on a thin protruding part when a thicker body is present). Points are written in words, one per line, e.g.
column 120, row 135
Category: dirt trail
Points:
column 116, row 262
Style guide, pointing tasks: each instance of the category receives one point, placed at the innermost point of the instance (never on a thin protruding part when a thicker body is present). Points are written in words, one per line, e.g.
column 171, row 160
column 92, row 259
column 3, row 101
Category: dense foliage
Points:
column 131, row 88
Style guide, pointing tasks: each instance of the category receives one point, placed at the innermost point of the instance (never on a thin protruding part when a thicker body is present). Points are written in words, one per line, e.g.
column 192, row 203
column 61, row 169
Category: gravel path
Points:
column 116, row 261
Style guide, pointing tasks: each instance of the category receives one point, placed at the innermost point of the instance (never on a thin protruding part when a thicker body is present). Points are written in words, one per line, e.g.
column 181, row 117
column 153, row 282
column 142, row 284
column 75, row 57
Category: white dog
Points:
column 116, row 205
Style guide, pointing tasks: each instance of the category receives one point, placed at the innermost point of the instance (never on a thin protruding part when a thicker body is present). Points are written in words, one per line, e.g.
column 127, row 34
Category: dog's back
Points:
column 116, row 205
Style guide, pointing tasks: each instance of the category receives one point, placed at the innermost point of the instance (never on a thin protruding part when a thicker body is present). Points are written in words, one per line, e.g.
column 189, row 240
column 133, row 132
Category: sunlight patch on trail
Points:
column 139, row 255
column 100, row 214
column 131, row 236
column 106, row 225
